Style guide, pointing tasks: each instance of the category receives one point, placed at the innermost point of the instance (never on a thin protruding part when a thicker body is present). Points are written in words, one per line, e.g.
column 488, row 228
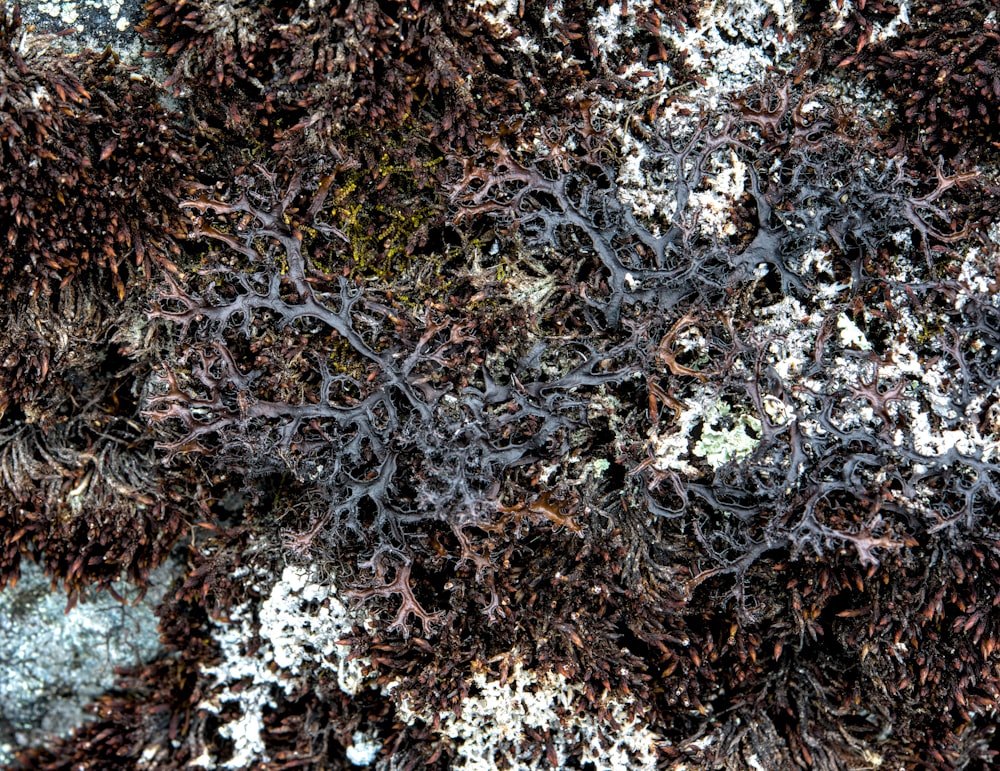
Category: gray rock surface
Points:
column 53, row 662
column 92, row 24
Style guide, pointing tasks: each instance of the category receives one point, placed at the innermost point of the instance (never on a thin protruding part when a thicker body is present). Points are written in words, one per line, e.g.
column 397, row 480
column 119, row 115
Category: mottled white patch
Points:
column 67, row 13
column 489, row 728
column 933, row 443
column 791, row 332
column 726, row 184
column 299, row 625
column 299, row 611
column 731, row 49
column 363, row 750
column 850, row 335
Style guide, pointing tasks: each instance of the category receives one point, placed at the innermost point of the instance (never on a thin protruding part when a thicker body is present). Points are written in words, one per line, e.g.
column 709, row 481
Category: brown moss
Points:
column 82, row 493
column 942, row 69
column 320, row 71
column 91, row 161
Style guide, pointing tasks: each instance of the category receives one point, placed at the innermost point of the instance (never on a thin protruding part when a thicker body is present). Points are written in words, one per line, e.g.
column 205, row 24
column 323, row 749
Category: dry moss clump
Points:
column 92, row 164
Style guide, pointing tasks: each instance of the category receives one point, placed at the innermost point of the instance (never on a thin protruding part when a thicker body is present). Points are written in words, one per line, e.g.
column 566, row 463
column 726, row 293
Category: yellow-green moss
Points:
column 379, row 231
column 931, row 329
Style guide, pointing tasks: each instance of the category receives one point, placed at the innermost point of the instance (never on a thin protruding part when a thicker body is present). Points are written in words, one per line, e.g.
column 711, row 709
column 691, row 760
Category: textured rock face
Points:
column 56, row 661
column 92, row 24
column 572, row 384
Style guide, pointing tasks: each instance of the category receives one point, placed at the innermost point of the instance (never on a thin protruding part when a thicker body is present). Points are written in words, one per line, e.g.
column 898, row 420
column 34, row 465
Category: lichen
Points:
column 300, row 628
column 493, row 728
column 724, row 438
column 548, row 384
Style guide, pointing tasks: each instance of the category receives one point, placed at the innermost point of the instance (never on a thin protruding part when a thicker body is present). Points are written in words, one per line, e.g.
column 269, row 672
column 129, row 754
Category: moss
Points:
column 92, row 163
column 382, row 230
column 650, row 462
column 931, row 330
column 942, row 69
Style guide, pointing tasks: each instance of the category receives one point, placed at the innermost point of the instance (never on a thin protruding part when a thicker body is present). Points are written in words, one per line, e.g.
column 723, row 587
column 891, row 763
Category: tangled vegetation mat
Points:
column 578, row 384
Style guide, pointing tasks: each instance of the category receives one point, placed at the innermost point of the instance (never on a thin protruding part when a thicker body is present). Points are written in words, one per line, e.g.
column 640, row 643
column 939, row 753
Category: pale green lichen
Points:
column 598, row 467
column 725, row 438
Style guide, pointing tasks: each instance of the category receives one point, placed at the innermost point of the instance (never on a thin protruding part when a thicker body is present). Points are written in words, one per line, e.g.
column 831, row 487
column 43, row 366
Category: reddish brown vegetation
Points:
column 446, row 397
column 92, row 164
column 942, row 69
